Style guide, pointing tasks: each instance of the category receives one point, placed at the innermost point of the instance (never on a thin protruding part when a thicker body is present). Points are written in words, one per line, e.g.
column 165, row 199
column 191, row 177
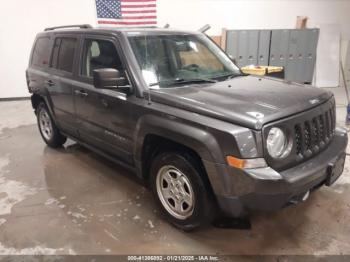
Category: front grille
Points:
column 313, row 134
column 311, row 131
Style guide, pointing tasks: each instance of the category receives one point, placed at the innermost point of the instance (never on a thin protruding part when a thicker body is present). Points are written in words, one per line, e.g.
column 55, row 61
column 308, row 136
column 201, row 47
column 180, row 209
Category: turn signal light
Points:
column 235, row 162
column 246, row 163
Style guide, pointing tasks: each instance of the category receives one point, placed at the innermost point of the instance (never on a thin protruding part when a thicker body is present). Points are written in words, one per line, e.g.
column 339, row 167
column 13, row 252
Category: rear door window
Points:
column 63, row 54
column 41, row 51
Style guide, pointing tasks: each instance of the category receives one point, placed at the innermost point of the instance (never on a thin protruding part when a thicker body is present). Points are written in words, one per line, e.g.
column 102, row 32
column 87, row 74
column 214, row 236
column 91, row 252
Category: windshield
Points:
column 168, row 60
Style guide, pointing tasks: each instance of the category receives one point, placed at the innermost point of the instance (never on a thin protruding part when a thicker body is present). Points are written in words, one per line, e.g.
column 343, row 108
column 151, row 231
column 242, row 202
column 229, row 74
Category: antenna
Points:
column 204, row 28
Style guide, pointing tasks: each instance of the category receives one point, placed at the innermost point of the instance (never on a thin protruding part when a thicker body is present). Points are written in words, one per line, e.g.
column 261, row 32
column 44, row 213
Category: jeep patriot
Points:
column 172, row 106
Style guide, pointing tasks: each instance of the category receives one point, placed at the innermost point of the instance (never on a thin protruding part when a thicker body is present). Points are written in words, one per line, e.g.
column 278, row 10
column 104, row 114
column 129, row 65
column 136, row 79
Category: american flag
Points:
column 126, row 12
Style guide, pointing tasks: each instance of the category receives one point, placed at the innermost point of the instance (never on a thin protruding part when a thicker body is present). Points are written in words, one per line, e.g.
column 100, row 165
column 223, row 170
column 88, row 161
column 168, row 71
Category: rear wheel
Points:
column 48, row 130
column 178, row 186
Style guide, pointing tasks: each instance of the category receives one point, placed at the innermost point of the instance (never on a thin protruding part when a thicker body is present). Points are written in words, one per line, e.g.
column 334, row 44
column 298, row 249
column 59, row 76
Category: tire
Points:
column 48, row 130
column 187, row 183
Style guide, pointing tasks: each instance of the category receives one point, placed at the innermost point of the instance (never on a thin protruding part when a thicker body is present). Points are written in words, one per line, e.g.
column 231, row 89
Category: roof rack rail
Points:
column 83, row 26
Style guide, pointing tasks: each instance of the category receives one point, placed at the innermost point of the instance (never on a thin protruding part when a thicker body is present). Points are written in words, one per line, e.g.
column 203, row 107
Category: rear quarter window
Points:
column 41, row 51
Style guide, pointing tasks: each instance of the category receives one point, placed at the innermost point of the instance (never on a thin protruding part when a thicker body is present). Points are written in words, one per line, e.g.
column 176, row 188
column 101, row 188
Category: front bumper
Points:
column 266, row 189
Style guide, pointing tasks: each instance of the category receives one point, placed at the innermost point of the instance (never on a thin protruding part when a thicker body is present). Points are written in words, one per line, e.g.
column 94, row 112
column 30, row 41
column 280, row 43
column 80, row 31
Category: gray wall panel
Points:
column 264, row 47
column 242, row 45
column 310, row 54
column 279, row 47
column 231, row 43
column 252, row 50
column 302, row 54
column 295, row 57
column 243, row 42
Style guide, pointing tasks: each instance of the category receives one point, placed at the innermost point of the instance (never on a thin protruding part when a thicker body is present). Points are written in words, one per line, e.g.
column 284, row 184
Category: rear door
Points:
column 63, row 69
column 104, row 116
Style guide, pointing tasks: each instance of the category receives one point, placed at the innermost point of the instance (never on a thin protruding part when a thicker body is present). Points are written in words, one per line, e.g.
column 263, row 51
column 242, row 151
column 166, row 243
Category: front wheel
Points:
column 178, row 186
column 48, row 130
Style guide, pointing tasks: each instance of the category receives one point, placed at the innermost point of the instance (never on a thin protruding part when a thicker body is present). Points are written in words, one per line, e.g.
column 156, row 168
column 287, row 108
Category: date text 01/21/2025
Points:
column 173, row 258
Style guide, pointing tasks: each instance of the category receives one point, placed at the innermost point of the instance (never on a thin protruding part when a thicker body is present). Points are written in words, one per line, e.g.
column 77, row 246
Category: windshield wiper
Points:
column 192, row 80
column 230, row 76
column 184, row 81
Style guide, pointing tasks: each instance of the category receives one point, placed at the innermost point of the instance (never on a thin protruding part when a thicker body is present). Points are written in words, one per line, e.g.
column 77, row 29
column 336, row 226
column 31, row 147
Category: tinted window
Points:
column 65, row 47
column 41, row 52
column 99, row 54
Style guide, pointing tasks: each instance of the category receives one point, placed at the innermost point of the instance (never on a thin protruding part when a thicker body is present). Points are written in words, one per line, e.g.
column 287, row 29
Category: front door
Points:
column 104, row 116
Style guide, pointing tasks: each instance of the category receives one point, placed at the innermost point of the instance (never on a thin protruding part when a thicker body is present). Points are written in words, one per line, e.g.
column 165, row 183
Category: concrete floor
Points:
column 71, row 201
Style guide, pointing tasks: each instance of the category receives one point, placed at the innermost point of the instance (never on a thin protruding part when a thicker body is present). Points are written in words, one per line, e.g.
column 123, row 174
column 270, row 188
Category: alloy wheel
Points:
column 175, row 192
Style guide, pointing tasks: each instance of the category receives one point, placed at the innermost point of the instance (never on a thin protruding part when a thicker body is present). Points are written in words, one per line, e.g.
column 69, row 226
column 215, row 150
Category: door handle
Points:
column 81, row 93
column 50, row 83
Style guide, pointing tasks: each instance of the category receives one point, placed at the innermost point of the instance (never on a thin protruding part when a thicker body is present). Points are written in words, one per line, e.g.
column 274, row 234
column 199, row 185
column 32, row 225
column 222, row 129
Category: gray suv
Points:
column 172, row 106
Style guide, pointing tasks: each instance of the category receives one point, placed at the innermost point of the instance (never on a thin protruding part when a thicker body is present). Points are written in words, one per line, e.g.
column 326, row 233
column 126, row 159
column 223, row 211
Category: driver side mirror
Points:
column 110, row 78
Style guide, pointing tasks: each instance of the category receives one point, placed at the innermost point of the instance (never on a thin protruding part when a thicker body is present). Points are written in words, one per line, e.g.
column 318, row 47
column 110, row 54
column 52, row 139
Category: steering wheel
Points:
column 191, row 67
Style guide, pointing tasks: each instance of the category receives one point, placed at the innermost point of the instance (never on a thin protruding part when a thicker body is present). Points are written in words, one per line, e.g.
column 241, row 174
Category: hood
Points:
column 246, row 100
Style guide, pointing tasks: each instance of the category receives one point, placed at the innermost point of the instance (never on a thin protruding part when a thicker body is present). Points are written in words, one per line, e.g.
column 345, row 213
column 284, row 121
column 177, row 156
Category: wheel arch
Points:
column 37, row 98
column 154, row 134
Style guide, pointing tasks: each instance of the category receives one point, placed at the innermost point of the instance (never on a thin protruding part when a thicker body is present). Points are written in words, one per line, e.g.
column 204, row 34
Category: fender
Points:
column 199, row 140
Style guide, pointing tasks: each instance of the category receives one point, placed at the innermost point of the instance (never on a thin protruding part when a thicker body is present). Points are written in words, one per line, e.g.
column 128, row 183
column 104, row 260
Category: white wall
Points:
column 20, row 20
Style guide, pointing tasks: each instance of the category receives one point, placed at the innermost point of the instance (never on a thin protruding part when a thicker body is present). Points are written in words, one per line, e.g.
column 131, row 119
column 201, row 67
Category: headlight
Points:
column 278, row 145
